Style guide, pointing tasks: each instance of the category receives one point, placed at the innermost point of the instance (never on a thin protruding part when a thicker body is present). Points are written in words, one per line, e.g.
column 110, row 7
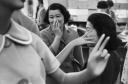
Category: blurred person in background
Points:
column 102, row 7
column 40, row 14
column 110, row 10
column 25, row 21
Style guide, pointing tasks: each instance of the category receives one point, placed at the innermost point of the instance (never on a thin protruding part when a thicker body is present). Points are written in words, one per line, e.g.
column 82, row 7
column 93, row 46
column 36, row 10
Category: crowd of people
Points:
column 48, row 51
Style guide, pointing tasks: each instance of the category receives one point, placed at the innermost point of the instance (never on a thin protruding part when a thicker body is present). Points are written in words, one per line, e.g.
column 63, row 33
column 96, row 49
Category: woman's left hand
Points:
column 83, row 40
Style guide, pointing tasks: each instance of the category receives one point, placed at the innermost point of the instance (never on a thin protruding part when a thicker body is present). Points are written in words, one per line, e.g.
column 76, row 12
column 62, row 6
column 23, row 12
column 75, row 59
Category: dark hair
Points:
column 105, row 25
column 61, row 8
column 110, row 4
column 40, row 1
column 102, row 5
column 30, row 2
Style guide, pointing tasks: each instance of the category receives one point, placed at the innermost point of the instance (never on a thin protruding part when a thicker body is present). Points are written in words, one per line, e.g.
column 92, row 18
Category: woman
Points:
column 21, row 52
column 99, row 23
column 58, row 35
column 40, row 13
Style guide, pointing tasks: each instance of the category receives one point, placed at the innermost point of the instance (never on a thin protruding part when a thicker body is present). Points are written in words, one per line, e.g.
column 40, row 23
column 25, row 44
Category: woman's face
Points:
column 92, row 32
column 56, row 15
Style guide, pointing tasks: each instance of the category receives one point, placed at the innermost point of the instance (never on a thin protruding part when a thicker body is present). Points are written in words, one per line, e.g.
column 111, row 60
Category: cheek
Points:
column 93, row 35
column 51, row 21
column 61, row 20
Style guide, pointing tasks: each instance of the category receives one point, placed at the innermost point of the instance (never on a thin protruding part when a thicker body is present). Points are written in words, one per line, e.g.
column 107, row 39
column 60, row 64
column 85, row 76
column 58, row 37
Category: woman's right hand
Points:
column 56, row 29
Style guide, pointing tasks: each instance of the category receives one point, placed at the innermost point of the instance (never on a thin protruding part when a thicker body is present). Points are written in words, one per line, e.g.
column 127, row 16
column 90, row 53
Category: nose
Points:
column 55, row 19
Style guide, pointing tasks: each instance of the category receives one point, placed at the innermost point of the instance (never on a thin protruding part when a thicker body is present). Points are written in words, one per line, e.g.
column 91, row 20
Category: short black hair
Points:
column 102, row 5
column 110, row 4
column 61, row 8
column 40, row 1
column 105, row 25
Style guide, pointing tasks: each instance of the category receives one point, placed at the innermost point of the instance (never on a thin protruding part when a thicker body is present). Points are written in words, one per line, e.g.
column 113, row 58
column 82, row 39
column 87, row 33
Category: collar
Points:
column 17, row 34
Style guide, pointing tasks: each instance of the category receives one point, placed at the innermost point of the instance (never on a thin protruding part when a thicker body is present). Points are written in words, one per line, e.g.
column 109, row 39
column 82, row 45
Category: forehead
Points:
column 54, row 12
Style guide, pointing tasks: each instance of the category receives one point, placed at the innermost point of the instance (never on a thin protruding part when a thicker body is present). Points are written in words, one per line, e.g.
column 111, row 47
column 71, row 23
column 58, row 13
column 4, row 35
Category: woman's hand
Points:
column 83, row 40
column 98, row 57
column 56, row 29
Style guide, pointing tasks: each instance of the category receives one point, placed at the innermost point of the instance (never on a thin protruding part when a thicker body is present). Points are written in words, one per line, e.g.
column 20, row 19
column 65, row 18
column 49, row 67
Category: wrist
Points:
column 58, row 37
column 72, row 44
column 90, row 73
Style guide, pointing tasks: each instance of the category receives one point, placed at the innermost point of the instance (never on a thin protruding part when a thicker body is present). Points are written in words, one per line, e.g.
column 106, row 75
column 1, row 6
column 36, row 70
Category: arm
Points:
column 55, row 45
column 58, row 34
column 46, row 37
column 96, row 65
column 76, row 42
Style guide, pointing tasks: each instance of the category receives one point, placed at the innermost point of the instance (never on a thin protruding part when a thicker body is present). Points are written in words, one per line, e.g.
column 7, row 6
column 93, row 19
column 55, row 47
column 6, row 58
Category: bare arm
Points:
column 96, row 65
column 58, row 34
column 76, row 42
column 55, row 45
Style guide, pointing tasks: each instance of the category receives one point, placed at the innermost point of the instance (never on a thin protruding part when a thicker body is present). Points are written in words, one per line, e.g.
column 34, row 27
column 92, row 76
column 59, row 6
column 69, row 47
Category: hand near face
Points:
column 98, row 57
column 84, row 40
column 56, row 28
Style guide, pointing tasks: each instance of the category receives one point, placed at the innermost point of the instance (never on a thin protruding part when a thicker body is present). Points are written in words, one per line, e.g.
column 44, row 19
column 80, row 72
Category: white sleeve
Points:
column 50, row 62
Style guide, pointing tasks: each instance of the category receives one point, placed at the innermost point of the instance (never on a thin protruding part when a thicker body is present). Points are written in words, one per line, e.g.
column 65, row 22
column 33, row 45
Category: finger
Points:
column 104, row 44
column 99, row 43
column 57, row 24
column 104, row 53
column 107, row 56
column 88, row 38
column 54, row 23
column 90, row 42
column 82, row 29
column 86, row 33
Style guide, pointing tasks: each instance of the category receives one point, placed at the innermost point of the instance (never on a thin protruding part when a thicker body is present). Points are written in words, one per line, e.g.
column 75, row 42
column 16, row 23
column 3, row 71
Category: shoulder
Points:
column 25, row 21
column 45, row 31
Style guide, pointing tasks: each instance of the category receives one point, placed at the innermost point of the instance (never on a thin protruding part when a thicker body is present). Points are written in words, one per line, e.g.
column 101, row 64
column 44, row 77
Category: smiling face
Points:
column 56, row 15
column 92, row 32
column 12, row 4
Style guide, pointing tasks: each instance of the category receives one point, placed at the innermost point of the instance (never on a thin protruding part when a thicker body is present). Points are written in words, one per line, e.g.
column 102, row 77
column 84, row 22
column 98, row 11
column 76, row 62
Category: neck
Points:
column 102, row 10
column 5, row 15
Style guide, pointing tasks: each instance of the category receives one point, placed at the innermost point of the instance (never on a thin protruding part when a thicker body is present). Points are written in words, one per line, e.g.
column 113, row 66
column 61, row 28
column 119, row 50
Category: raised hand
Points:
column 56, row 28
column 98, row 57
column 83, row 40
